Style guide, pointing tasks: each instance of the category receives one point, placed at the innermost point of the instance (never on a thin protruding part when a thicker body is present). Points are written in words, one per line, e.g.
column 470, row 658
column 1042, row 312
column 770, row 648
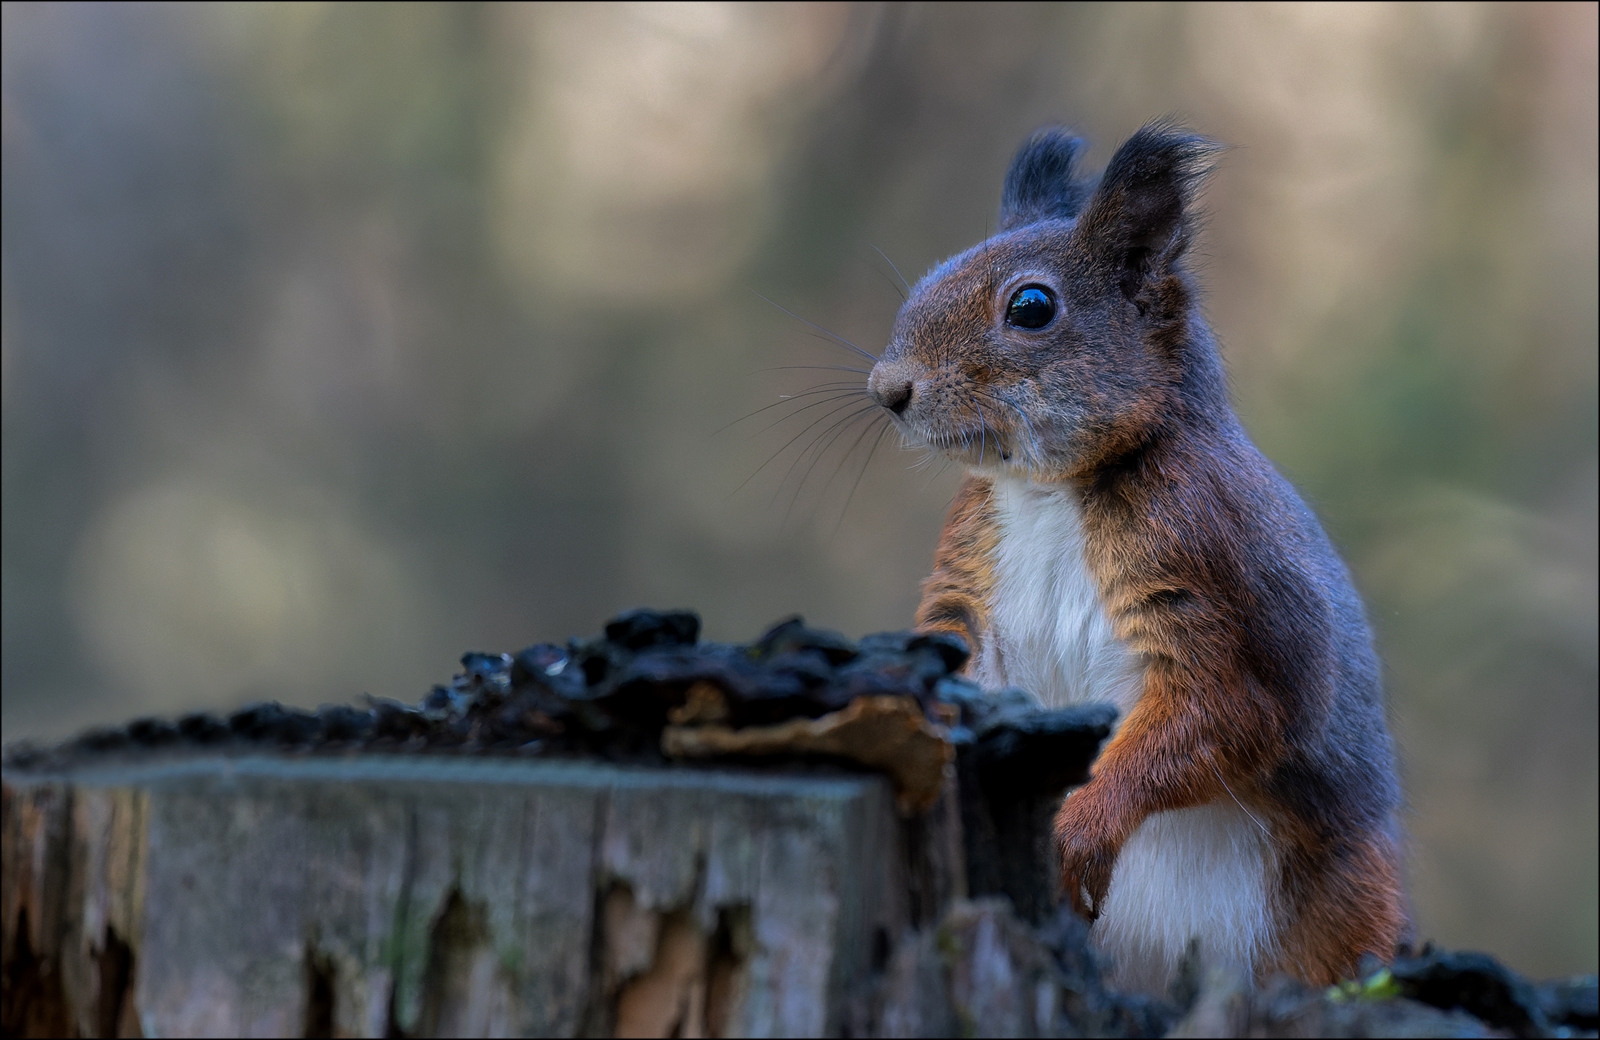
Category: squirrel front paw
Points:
column 1088, row 853
column 1086, row 877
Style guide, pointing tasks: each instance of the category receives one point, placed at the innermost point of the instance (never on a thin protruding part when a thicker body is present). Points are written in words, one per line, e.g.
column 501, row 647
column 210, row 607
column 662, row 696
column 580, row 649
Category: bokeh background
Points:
column 339, row 339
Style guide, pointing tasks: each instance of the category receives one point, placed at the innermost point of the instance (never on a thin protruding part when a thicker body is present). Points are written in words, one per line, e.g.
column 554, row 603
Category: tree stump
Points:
column 379, row 895
column 529, row 851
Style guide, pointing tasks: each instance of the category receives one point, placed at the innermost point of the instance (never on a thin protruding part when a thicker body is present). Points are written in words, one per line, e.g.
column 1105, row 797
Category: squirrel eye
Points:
column 1031, row 307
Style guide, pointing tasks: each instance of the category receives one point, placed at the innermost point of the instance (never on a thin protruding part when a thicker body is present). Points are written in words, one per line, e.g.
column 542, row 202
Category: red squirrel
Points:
column 1119, row 538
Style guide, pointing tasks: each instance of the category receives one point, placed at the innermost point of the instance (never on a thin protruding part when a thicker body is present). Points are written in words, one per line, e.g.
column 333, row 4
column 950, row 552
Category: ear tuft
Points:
column 1042, row 183
column 1142, row 213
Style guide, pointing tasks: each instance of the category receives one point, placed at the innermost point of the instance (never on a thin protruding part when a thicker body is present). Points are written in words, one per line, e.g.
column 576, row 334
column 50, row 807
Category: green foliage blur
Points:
column 340, row 339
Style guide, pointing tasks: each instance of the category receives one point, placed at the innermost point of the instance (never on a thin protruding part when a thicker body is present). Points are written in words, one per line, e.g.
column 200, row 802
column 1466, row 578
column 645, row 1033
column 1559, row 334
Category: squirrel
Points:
column 1118, row 537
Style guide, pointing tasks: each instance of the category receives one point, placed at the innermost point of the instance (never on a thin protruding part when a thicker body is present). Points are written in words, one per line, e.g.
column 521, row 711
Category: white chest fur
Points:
column 1049, row 633
column 1204, row 873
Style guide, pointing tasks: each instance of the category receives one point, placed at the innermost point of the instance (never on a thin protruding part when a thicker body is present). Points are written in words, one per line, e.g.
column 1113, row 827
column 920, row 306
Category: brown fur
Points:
column 955, row 597
column 1260, row 683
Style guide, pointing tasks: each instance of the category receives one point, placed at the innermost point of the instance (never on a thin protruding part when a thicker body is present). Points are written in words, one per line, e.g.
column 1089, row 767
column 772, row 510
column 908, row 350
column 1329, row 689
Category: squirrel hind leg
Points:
column 1355, row 906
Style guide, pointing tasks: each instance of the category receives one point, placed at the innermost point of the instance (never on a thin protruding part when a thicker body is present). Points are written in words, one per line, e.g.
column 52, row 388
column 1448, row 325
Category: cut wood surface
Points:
column 430, row 895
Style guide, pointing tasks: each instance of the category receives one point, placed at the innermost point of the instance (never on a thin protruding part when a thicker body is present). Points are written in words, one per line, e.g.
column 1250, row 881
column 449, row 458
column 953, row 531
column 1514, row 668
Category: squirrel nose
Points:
column 893, row 394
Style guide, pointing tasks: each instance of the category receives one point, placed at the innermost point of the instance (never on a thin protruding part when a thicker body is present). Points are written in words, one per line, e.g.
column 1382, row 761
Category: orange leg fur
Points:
column 1166, row 756
column 955, row 596
column 1354, row 906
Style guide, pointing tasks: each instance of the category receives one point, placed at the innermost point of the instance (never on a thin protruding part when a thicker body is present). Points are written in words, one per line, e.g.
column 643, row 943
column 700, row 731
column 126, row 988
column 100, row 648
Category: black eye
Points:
column 1031, row 307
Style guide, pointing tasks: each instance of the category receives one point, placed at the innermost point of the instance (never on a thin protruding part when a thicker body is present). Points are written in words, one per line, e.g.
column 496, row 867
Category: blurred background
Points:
column 340, row 339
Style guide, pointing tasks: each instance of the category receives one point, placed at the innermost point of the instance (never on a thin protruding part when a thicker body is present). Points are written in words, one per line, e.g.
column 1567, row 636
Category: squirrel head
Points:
column 1071, row 337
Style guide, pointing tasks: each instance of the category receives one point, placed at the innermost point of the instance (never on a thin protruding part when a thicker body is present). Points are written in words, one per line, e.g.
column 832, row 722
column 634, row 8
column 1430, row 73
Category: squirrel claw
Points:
column 1086, row 878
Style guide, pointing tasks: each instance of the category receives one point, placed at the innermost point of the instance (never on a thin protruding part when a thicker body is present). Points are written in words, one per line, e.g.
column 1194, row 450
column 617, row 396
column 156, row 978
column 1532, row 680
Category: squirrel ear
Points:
column 1042, row 182
column 1141, row 215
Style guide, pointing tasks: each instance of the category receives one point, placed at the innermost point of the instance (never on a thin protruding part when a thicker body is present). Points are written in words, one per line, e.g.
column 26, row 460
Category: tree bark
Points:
column 431, row 895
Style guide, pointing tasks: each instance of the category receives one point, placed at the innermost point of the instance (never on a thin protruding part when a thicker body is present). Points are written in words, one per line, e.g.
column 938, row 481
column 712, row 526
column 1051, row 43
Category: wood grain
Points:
column 278, row 896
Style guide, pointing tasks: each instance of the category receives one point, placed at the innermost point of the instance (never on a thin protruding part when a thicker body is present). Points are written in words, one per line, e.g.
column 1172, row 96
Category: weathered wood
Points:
column 278, row 896
column 471, row 896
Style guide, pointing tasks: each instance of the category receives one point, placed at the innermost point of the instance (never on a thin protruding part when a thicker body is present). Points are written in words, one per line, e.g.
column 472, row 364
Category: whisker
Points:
column 814, row 368
column 839, row 396
column 824, row 338
column 847, row 416
column 868, row 462
column 1033, row 436
column 826, row 332
column 833, row 388
column 824, row 440
column 811, row 448
column 851, row 384
column 895, row 269
column 892, row 285
column 775, row 455
column 811, row 458
column 981, row 394
column 937, row 475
